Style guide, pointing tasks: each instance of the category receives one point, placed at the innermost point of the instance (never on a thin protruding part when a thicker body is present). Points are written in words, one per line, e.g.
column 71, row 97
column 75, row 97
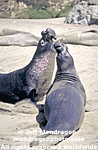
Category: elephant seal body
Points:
column 23, row 83
column 19, row 38
column 67, row 95
column 65, row 102
column 89, row 38
column 14, row 37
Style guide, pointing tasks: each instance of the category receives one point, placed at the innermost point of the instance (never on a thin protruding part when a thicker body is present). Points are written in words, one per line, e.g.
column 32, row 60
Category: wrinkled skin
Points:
column 23, row 83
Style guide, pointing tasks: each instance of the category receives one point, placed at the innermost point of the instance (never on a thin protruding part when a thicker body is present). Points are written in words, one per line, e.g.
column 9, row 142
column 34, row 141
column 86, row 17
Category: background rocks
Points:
column 84, row 12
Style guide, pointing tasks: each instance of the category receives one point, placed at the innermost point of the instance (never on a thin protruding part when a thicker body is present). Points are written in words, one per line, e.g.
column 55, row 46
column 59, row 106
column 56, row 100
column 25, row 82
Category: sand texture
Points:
column 16, row 120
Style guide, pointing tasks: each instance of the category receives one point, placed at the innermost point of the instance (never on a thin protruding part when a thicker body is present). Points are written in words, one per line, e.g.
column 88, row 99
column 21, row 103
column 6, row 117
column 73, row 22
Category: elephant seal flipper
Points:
column 65, row 101
column 23, row 83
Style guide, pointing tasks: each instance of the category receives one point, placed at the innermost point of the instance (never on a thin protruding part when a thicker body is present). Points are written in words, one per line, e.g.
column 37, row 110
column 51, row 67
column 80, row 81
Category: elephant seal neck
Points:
column 44, row 62
column 66, row 76
column 39, row 64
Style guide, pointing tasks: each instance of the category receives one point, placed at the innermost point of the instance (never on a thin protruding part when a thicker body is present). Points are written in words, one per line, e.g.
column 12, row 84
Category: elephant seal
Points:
column 19, row 38
column 23, row 83
column 65, row 102
column 89, row 38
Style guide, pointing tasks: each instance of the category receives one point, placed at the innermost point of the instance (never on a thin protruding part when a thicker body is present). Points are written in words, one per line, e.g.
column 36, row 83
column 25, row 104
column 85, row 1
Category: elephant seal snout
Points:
column 34, row 77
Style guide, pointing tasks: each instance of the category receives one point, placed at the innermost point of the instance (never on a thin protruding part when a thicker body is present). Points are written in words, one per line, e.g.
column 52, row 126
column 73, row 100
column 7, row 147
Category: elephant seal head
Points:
column 64, row 59
column 46, row 42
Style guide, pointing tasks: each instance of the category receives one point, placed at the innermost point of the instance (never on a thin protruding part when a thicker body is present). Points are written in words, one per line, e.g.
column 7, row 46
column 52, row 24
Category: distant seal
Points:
column 89, row 38
column 65, row 102
column 19, row 38
column 23, row 83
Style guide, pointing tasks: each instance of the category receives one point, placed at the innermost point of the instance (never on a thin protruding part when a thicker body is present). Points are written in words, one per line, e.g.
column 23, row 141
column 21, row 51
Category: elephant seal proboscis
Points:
column 23, row 83
column 65, row 102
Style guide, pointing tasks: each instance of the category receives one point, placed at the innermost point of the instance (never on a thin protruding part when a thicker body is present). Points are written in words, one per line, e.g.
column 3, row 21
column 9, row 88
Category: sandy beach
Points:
column 17, row 121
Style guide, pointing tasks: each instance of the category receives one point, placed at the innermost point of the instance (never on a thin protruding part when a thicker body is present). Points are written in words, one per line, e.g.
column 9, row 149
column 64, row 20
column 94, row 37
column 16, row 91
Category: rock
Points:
column 90, row 2
column 83, row 12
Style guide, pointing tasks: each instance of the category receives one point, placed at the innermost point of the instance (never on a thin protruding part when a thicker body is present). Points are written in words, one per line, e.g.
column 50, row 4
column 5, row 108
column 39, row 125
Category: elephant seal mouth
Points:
column 48, row 35
column 58, row 46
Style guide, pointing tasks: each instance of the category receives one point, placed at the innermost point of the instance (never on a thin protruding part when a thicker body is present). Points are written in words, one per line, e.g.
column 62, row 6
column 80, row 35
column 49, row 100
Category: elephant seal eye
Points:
column 42, row 42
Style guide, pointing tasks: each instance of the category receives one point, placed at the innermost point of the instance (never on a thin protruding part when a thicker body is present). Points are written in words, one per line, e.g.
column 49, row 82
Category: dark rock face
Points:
column 84, row 12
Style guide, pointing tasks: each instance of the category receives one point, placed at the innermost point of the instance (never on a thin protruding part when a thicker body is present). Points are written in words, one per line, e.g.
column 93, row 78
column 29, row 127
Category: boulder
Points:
column 84, row 12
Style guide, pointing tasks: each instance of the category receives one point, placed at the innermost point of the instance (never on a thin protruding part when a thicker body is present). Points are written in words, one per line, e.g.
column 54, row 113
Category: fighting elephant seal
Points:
column 65, row 102
column 19, row 38
column 22, row 83
column 89, row 38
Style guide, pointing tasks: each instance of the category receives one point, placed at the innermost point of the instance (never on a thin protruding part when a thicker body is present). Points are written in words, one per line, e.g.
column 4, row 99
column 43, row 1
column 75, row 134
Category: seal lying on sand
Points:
column 89, row 38
column 22, row 83
column 65, row 102
column 14, row 37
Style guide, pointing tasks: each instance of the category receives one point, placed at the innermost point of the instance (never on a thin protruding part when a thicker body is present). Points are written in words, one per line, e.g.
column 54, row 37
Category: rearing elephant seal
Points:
column 65, row 102
column 23, row 83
